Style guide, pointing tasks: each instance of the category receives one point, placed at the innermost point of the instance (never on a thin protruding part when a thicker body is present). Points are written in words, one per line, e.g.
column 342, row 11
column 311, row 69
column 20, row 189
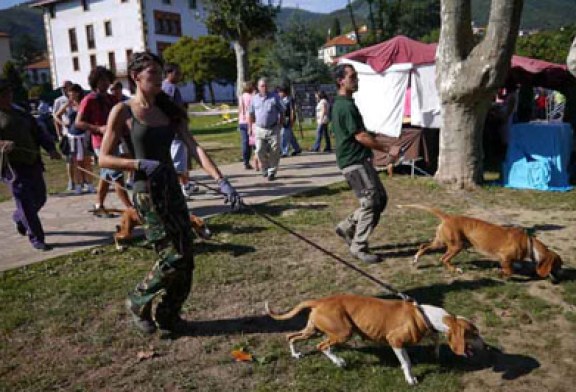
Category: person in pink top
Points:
column 243, row 125
column 92, row 117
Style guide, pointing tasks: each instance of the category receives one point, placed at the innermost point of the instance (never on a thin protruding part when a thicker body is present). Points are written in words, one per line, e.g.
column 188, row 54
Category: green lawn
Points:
column 64, row 327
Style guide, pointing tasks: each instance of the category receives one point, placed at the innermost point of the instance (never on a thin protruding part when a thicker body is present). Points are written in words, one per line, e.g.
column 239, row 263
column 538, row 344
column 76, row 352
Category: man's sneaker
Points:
column 20, row 228
column 366, row 257
column 90, row 188
column 141, row 316
column 248, row 166
column 70, row 186
column 78, row 190
column 294, row 153
column 344, row 235
column 42, row 246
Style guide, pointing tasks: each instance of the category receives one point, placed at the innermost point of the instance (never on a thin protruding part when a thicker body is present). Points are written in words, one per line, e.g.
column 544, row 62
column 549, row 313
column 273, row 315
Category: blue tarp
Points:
column 538, row 156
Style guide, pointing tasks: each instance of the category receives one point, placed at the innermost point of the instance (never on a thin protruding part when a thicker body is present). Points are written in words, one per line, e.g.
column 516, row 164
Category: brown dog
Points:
column 130, row 219
column 507, row 244
column 399, row 323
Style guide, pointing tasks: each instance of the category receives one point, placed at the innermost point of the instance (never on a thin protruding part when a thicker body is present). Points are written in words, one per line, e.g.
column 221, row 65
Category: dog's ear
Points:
column 455, row 335
column 548, row 264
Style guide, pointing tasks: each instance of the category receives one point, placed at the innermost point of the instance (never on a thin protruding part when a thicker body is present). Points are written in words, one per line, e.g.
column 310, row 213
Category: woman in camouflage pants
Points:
column 154, row 120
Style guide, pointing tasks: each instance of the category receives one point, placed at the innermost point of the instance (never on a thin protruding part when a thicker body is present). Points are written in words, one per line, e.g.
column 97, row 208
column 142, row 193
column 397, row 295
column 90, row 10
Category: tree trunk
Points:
column 461, row 159
column 211, row 88
column 241, row 50
column 468, row 75
column 571, row 60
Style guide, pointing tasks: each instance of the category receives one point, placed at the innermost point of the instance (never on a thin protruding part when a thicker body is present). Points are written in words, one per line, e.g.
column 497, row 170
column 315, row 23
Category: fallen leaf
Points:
column 143, row 355
column 242, row 356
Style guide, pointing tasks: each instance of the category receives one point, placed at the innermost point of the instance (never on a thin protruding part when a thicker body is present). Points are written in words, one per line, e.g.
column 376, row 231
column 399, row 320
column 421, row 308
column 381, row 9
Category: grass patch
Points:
column 64, row 326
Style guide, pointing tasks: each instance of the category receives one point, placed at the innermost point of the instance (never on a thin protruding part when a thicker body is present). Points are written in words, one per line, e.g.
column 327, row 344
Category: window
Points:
column 167, row 23
column 90, row 37
column 52, row 11
column 75, row 64
column 112, row 61
column 44, row 77
column 92, row 61
column 128, row 55
column 73, row 40
column 85, row 5
column 161, row 47
column 192, row 4
column 34, row 75
column 166, row 1
column 108, row 28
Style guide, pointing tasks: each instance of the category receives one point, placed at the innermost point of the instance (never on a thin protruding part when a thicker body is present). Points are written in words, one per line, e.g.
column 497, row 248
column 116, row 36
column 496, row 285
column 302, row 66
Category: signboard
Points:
column 305, row 97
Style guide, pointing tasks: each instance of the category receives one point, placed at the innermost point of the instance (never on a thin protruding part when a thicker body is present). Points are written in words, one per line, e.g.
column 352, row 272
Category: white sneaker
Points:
column 90, row 188
column 70, row 186
column 78, row 190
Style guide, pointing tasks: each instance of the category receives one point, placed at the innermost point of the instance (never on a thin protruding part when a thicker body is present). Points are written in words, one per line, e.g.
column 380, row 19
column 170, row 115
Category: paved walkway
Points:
column 69, row 227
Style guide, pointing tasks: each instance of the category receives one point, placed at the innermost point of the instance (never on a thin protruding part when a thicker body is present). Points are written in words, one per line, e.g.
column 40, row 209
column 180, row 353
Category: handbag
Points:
column 64, row 145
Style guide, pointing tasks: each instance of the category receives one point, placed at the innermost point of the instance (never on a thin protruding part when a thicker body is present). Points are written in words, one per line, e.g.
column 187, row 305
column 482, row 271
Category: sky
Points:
column 309, row 5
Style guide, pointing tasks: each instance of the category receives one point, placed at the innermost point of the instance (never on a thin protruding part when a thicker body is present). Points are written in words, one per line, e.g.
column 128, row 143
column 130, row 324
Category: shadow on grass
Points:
column 217, row 246
column 278, row 209
column 228, row 228
column 435, row 294
column 538, row 228
column 512, row 366
column 243, row 325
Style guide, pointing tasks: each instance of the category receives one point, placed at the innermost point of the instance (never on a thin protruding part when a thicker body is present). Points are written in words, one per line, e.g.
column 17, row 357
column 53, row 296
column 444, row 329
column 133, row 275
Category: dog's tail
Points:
column 435, row 211
column 285, row 316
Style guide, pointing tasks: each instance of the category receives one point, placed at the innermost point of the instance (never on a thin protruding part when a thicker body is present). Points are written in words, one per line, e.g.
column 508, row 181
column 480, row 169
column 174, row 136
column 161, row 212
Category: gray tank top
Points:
column 149, row 143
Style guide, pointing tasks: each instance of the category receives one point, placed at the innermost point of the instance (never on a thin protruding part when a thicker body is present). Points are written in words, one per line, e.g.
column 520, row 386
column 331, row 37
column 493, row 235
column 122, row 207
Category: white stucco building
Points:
column 84, row 33
column 5, row 53
column 335, row 48
column 38, row 72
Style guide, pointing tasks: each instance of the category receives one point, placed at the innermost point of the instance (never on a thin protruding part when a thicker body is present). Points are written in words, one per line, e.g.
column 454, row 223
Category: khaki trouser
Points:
column 366, row 184
column 268, row 148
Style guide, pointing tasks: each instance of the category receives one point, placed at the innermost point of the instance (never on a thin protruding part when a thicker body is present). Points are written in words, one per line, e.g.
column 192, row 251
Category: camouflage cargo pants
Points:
column 167, row 227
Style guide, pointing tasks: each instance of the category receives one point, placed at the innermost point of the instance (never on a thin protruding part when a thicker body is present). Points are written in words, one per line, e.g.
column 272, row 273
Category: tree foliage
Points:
column 12, row 74
column 25, row 49
column 203, row 60
column 240, row 22
column 294, row 55
column 335, row 30
column 550, row 46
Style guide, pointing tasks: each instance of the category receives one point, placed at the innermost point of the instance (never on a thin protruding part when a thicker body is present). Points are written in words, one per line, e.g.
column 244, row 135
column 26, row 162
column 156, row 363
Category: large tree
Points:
column 294, row 56
column 241, row 21
column 468, row 75
column 203, row 60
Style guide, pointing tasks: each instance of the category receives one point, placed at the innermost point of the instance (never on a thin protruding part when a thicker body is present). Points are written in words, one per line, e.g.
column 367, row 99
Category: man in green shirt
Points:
column 354, row 157
column 20, row 141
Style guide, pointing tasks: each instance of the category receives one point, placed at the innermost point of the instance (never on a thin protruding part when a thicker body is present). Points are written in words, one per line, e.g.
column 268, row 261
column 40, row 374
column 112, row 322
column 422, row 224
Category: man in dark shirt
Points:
column 20, row 141
column 354, row 157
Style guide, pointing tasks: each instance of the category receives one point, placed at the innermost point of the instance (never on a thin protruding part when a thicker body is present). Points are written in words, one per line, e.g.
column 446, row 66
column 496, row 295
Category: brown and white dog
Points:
column 399, row 323
column 507, row 244
column 129, row 219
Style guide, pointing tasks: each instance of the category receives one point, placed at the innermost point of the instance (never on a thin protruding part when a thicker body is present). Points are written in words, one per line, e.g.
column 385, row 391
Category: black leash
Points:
column 320, row 248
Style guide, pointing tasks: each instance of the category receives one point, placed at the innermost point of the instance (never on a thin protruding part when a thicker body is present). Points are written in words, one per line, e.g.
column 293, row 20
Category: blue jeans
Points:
column 246, row 149
column 288, row 140
column 322, row 131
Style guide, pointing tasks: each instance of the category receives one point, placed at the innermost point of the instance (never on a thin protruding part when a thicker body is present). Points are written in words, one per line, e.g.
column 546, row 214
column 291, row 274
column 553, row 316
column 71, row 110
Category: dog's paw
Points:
column 414, row 260
column 341, row 363
column 459, row 270
column 412, row 380
column 297, row 355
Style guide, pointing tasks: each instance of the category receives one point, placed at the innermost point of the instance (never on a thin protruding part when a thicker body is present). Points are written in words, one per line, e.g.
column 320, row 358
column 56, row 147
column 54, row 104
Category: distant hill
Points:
column 537, row 14
column 23, row 20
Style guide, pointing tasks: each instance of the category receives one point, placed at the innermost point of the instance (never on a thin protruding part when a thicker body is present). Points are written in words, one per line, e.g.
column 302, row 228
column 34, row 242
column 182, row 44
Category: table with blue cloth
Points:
column 538, row 156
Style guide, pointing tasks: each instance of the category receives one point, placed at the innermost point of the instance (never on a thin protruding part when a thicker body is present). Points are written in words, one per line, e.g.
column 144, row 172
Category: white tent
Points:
column 380, row 96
